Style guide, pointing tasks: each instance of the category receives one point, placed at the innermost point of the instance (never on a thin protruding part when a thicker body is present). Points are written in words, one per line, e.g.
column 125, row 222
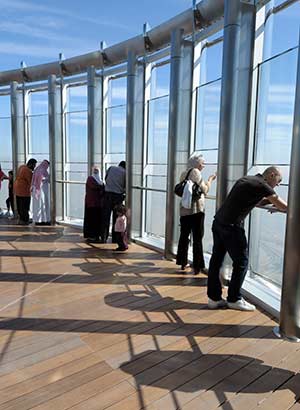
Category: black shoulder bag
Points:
column 179, row 188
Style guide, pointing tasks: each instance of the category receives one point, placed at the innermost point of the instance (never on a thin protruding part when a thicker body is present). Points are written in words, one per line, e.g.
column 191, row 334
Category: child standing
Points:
column 10, row 199
column 121, row 228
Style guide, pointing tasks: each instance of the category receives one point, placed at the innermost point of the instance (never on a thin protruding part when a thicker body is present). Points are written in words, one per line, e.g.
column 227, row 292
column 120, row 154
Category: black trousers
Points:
column 121, row 239
column 110, row 201
column 23, row 205
column 10, row 203
column 231, row 239
column 195, row 224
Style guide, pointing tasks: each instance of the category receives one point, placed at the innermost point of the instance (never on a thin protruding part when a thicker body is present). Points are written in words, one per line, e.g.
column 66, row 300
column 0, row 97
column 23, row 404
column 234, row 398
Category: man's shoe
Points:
column 184, row 267
column 241, row 304
column 219, row 304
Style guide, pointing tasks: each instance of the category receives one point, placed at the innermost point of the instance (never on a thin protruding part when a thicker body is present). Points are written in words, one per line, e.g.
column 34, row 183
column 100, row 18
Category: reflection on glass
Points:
column 5, row 106
column 275, row 109
column 282, row 30
column 76, row 137
column 160, row 81
column 117, row 92
column 266, row 255
column 207, row 116
column 116, row 130
column 5, row 144
column 267, row 236
column 211, row 62
column 210, row 210
column 155, row 205
column 38, row 102
column 75, row 201
column 77, row 98
column 157, row 152
column 5, row 140
column 38, row 141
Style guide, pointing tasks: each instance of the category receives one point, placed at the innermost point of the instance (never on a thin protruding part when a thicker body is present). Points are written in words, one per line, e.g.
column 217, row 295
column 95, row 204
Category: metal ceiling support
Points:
column 207, row 11
column 95, row 118
column 239, row 30
column 54, row 142
column 180, row 100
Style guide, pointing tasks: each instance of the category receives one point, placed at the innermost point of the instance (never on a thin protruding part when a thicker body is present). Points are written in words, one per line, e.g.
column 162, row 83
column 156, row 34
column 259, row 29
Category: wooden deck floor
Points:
column 84, row 328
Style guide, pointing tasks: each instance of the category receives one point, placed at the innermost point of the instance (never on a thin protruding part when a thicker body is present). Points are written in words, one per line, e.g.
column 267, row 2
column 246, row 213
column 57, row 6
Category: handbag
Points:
column 197, row 192
column 179, row 188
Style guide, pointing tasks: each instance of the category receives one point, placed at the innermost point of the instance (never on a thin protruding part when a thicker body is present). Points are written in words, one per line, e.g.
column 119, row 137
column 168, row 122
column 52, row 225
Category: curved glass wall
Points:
column 273, row 137
column 6, row 145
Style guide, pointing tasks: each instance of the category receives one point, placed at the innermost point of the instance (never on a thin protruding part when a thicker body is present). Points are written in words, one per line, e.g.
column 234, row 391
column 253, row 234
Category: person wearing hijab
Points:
column 22, row 187
column 2, row 177
column 40, row 194
column 93, row 210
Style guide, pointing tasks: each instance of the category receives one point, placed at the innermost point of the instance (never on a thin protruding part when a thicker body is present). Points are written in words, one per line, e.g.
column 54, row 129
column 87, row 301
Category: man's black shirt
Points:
column 246, row 193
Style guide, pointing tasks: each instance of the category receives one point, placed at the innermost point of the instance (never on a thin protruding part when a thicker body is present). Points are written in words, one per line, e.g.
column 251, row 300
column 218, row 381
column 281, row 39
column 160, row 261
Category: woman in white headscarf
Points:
column 93, row 210
column 40, row 194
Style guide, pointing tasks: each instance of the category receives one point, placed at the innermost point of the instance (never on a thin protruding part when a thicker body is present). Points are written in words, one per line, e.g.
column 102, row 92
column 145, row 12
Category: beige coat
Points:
column 198, row 206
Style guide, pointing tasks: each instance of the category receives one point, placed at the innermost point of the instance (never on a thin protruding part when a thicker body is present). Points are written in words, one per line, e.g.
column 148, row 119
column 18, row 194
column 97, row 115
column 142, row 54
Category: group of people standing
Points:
column 31, row 184
column 227, row 228
column 102, row 199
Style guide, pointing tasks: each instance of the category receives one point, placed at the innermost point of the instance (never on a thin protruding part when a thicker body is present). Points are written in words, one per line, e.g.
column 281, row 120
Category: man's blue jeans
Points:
column 231, row 239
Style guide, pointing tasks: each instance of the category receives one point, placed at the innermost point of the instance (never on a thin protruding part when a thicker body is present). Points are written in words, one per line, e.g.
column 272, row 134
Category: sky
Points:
column 37, row 31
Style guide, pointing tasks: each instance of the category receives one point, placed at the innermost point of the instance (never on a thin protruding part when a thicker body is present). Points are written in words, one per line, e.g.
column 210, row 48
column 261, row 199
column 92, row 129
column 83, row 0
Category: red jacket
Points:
column 94, row 193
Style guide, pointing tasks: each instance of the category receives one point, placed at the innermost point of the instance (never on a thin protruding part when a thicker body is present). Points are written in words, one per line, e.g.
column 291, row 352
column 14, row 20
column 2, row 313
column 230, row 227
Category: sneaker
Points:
column 219, row 304
column 184, row 267
column 241, row 304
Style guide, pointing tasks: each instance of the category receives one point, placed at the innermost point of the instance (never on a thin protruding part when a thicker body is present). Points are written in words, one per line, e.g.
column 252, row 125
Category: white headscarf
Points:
column 96, row 175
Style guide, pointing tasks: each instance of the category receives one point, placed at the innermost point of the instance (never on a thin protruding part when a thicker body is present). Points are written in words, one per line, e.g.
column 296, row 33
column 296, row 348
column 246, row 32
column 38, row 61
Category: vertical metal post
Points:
column 14, row 125
column 17, row 128
column 91, row 116
column 131, row 79
column 176, row 42
column 181, row 82
column 239, row 34
column 95, row 118
column 52, row 115
column 290, row 296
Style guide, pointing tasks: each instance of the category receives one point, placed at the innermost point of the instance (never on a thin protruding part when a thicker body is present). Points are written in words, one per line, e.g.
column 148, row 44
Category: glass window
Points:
column 117, row 92
column 116, row 130
column 38, row 102
column 282, row 30
column 211, row 62
column 5, row 110
column 160, row 81
column 208, row 116
column 76, row 142
column 77, row 98
column 275, row 109
column 6, row 145
column 266, row 256
column 158, row 111
column 38, row 125
column 38, row 146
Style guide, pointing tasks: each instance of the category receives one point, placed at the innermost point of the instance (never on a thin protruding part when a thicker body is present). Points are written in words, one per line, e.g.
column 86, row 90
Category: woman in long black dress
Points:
column 93, row 211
